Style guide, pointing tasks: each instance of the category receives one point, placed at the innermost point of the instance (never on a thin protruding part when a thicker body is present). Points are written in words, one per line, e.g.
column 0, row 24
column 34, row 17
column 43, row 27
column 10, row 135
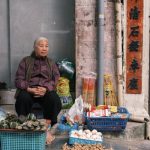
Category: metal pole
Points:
column 100, row 68
column 9, row 44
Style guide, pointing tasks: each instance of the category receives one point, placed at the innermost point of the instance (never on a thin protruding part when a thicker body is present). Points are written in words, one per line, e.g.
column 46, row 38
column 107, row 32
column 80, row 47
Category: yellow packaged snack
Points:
column 113, row 109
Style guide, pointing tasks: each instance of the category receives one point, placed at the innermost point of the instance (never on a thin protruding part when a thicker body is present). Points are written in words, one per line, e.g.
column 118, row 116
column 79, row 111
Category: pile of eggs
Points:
column 87, row 134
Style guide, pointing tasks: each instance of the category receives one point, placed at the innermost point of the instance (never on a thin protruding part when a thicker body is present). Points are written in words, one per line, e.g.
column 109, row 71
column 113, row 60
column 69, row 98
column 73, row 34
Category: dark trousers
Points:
column 50, row 103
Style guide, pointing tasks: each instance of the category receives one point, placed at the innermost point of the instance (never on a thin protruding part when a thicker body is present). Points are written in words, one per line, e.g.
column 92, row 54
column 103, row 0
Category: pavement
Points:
column 112, row 144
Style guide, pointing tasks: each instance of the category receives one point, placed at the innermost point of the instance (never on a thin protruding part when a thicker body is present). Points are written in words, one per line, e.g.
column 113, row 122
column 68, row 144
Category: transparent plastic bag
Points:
column 75, row 113
column 2, row 114
column 66, row 68
column 89, row 88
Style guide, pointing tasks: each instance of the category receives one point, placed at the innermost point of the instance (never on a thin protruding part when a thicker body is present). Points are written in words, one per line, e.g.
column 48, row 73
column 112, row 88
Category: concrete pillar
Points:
column 137, row 104
column 85, row 12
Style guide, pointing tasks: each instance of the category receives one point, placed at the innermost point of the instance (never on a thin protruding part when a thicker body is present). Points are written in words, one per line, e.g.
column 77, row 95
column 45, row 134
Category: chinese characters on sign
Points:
column 134, row 46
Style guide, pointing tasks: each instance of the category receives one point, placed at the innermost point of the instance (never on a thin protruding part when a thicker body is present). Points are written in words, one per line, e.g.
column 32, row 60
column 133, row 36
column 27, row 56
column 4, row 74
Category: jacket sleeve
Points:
column 51, row 85
column 20, row 78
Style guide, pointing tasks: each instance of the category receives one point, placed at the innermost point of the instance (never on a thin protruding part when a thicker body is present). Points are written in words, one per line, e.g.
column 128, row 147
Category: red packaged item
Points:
column 89, row 88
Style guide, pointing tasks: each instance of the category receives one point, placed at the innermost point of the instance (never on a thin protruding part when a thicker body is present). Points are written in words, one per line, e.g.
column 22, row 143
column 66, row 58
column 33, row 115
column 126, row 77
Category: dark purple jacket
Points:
column 40, row 75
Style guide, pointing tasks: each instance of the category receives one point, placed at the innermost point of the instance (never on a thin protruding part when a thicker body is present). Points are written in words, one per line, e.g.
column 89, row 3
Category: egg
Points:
column 87, row 131
column 74, row 135
column 80, row 132
column 83, row 134
column 99, row 133
column 88, row 136
column 94, row 131
column 83, row 137
column 93, row 137
column 90, row 133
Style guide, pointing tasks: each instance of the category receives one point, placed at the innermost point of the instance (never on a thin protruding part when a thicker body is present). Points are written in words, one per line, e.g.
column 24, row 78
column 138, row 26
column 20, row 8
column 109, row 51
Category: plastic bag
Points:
column 66, row 68
column 65, row 126
column 66, row 101
column 2, row 114
column 63, row 90
column 63, row 87
column 75, row 113
column 109, row 92
column 89, row 88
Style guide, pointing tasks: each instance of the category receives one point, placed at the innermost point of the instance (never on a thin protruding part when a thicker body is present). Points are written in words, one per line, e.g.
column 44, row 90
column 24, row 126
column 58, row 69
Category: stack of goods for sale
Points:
column 107, row 118
column 63, row 90
column 109, row 92
column 66, row 83
column 85, row 137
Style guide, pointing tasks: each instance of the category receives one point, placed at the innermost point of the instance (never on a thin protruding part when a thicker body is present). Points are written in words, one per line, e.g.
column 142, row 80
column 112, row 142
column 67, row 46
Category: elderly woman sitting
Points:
column 35, row 81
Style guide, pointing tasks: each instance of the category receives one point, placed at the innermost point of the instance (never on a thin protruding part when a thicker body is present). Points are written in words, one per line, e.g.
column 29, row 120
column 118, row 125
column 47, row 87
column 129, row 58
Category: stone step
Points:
column 9, row 108
column 7, row 97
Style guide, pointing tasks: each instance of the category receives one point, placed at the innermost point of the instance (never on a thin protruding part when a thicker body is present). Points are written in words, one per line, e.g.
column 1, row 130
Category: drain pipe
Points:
column 100, row 63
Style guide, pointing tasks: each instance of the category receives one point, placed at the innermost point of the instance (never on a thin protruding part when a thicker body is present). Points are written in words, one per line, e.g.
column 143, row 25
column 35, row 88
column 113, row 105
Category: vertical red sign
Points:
column 134, row 46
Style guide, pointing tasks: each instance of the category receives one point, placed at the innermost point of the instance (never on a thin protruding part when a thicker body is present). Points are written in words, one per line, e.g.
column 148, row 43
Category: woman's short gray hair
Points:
column 39, row 39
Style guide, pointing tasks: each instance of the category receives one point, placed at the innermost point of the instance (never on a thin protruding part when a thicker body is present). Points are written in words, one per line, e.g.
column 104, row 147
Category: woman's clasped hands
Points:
column 37, row 91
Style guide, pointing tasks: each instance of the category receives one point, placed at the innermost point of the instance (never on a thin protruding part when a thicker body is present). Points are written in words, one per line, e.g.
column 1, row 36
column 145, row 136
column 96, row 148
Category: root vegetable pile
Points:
column 84, row 147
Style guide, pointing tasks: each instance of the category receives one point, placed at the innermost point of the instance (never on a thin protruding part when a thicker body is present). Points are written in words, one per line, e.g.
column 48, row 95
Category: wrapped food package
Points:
column 63, row 90
column 89, row 89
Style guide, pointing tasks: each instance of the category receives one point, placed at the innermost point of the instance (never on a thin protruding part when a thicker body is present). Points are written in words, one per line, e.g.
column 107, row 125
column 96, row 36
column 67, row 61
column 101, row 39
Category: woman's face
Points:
column 41, row 48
